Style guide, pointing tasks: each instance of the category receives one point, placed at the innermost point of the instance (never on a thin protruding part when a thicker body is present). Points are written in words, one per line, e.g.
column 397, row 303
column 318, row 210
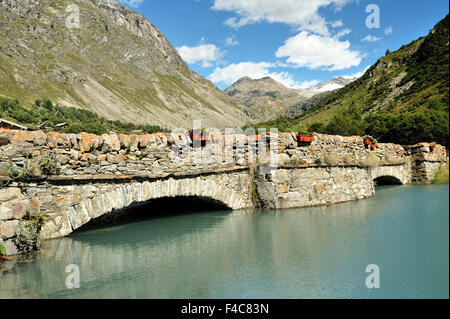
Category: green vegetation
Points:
column 403, row 98
column 307, row 133
column 29, row 170
column 143, row 154
column 29, row 231
column 410, row 128
column 441, row 176
column 404, row 128
column 43, row 113
column 49, row 165
column 430, row 65
column 2, row 250
column 35, row 168
column 255, row 195
column 370, row 138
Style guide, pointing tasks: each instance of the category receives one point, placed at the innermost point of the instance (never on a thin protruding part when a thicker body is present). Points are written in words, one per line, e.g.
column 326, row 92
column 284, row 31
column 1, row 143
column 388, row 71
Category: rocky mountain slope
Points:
column 303, row 106
column 414, row 78
column 266, row 98
column 116, row 64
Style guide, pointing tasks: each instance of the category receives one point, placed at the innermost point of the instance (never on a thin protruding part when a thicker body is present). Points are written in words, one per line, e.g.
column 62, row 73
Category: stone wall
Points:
column 300, row 187
column 426, row 162
column 159, row 155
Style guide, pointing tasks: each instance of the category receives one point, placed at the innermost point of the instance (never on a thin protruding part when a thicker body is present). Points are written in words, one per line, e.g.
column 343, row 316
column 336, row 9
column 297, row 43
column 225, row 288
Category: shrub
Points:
column 316, row 127
column 49, row 165
column 47, row 104
column 442, row 174
column 29, row 170
column 306, row 133
column 255, row 195
column 143, row 154
column 23, row 116
column 28, row 233
column 2, row 250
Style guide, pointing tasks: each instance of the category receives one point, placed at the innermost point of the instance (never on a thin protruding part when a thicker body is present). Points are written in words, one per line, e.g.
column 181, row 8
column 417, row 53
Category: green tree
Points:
column 46, row 103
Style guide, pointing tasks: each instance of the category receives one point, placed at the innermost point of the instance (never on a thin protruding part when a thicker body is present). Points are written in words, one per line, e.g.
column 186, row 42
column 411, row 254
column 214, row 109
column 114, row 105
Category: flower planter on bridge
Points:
column 369, row 142
column 305, row 137
column 197, row 136
column 433, row 146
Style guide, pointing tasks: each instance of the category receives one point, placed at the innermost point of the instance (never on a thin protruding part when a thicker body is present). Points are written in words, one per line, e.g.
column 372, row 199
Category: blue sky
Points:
column 297, row 42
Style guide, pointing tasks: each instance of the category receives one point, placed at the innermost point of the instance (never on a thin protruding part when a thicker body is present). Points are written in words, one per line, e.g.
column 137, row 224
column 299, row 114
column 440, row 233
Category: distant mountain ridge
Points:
column 266, row 98
column 116, row 64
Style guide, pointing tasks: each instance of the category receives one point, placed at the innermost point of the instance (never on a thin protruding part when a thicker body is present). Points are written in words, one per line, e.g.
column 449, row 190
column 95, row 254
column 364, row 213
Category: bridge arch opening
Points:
column 387, row 180
column 154, row 209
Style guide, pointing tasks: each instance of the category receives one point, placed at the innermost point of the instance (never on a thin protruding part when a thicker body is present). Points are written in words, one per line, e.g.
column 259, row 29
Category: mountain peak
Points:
column 328, row 86
column 95, row 67
column 243, row 79
column 264, row 98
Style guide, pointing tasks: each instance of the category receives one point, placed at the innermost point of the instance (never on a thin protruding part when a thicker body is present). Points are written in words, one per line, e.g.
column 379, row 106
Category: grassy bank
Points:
column 441, row 176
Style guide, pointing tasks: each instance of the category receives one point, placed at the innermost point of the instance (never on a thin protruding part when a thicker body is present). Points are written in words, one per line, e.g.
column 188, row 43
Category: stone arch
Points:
column 231, row 191
column 390, row 174
column 387, row 180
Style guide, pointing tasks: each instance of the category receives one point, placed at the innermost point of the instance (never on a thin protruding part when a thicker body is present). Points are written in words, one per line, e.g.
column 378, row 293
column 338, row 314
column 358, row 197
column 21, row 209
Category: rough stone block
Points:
column 8, row 228
column 10, row 193
column 10, row 247
column 283, row 189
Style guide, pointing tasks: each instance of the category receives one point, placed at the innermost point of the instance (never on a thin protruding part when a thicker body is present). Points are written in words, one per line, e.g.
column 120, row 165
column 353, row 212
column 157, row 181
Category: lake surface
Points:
column 319, row 252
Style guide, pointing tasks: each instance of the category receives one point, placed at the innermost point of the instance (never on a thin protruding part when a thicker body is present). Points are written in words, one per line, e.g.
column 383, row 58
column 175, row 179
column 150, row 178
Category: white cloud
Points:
column 233, row 72
column 132, row 3
column 204, row 53
column 231, row 41
column 342, row 33
column 371, row 38
column 389, row 30
column 316, row 51
column 301, row 14
column 337, row 24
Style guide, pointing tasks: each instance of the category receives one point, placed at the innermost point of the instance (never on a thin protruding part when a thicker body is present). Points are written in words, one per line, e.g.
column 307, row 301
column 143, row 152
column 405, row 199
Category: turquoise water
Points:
column 317, row 252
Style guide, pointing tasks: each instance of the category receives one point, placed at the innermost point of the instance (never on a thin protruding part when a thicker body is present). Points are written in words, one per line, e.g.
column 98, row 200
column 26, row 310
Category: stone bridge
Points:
column 76, row 178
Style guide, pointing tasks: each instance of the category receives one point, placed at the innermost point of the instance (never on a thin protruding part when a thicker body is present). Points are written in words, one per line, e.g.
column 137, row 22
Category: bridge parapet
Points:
column 158, row 154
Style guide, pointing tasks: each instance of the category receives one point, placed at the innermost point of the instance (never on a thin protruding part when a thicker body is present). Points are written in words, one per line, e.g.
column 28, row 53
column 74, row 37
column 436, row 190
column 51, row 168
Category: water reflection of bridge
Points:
column 210, row 250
